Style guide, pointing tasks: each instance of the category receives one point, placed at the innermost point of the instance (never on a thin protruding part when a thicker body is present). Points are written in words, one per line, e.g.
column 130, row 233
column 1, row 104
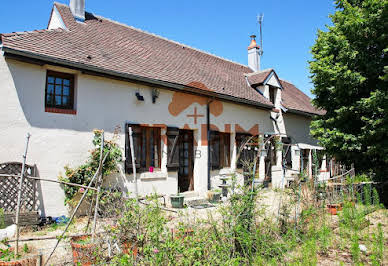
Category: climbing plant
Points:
column 84, row 173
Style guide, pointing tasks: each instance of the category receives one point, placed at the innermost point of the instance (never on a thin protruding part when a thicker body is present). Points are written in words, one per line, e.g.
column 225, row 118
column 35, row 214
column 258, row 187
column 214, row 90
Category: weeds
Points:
column 378, row 246
column 245, row 235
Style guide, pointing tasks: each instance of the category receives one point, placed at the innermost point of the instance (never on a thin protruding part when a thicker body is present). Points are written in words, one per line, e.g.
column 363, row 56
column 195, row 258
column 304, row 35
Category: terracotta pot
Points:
column 333, row 208
column 20, row 262
column 332, row 211
column 130, row 249
column 83, row 253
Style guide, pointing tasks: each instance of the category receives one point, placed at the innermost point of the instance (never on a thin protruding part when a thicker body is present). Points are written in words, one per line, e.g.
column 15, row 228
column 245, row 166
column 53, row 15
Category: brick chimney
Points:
column 77, row 8
column 254, row 55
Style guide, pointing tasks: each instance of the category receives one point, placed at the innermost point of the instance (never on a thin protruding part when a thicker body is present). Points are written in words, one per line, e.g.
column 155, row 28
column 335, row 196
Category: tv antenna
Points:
column 260, row 19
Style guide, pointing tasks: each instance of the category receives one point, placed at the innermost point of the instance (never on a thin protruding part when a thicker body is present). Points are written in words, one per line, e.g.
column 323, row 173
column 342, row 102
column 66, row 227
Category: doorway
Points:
column 186, row 162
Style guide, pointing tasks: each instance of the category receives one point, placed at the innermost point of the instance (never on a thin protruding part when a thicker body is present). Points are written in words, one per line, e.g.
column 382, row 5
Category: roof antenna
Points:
column 260, row 19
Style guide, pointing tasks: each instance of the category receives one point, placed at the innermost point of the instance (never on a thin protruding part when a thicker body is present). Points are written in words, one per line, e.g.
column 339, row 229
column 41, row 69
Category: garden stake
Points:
column 76, row 208
column 20, row 195
column 133, row 161
column 98, row 188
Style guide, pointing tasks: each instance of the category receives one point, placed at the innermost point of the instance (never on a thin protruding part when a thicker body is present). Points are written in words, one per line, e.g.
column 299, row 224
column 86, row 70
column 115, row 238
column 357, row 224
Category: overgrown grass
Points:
column 245, row 235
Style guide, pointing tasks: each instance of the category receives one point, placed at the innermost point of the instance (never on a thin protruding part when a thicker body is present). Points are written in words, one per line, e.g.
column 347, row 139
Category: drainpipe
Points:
column 208, row 142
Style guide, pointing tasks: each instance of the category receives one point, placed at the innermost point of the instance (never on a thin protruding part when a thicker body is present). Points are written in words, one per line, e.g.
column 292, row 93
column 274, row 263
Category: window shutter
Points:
column 214, row 150
column 287, row 151
column 172, row 147
column 136, row 135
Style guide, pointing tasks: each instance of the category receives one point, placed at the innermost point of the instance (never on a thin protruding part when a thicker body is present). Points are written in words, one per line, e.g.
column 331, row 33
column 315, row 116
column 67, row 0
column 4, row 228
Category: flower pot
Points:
column 130, row 248
column 334, row 208
column 83, row 253
column 20, row 262
column 177, row 201
column 214, row 196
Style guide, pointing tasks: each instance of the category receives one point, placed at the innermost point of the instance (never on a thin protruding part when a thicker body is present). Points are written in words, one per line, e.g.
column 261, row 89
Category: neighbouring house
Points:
column 189, row 110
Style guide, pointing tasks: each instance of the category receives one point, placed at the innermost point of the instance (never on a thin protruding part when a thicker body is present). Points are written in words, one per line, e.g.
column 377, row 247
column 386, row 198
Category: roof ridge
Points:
column 259, row 72
column 166, row 39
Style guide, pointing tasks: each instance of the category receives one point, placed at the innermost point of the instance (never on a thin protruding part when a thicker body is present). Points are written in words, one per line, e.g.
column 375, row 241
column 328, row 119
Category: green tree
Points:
column 350, row 76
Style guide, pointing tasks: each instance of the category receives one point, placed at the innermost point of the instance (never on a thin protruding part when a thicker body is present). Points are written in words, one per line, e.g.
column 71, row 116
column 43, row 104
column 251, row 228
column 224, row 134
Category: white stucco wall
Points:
column 62, row 139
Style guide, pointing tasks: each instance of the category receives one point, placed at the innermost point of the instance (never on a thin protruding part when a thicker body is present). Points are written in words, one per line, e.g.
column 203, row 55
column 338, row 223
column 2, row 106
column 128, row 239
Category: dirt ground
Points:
column 269, row 198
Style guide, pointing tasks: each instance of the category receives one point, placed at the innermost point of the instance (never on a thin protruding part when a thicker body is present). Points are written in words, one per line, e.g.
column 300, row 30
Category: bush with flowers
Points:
column 84, row 173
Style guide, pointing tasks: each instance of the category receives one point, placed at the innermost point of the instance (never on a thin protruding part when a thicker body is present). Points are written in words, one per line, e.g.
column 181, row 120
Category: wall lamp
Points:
column 139, row 97
column 154, row 95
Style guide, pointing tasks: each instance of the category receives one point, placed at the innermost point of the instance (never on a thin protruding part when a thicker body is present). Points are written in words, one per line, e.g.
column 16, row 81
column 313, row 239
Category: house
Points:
column 189, row 110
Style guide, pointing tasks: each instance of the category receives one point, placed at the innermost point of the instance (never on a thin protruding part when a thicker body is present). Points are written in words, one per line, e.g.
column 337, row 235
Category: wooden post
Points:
column 20, row 195
column 98, row 183
column 133, row 161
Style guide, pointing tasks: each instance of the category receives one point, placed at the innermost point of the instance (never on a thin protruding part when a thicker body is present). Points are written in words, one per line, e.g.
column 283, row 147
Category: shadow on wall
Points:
column 96, row 106
column 40, row 201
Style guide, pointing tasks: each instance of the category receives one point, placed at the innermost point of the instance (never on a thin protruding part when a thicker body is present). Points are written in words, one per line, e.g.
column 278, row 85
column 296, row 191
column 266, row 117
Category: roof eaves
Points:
column 175, row 86
column 304, row 113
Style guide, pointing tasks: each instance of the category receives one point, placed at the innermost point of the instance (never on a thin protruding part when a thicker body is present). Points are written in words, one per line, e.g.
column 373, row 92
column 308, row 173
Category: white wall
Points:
column 62, row 139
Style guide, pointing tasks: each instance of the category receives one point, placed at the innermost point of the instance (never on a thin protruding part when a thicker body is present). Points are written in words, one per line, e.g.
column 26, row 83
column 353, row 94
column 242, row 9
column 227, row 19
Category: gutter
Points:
column 92, row 70
column 307, row 114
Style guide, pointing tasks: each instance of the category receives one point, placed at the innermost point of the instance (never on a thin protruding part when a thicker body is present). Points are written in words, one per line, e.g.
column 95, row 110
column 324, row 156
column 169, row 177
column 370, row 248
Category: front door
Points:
column 186, row 162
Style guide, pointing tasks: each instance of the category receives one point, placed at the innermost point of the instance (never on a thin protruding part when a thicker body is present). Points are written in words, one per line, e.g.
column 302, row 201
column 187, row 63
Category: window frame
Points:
column 143, row 155
column 286, row 152
column 60, row 108
column 222, row 139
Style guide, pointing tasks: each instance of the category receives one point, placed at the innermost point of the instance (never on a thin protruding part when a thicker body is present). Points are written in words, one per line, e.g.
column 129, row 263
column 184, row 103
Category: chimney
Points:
column 254, row 55
column 77, row 7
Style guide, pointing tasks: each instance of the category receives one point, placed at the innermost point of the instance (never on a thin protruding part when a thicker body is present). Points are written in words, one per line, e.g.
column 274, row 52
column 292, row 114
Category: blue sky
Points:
column 219, row 27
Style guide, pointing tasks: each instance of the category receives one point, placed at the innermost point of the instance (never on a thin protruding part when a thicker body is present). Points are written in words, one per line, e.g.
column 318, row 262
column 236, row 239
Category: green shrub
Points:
column 83, row 174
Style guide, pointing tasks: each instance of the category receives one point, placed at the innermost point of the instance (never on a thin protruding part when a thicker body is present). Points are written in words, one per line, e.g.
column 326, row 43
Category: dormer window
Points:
column 272, row 94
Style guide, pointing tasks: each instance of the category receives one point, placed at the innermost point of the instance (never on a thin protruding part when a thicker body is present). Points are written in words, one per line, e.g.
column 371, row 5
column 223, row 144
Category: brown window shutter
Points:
column 172, row 147
column 215, row 149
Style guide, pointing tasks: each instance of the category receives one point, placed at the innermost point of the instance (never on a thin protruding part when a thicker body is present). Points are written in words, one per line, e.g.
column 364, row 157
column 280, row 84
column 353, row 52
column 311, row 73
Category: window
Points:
column 146, row 146
column 272, row 94
column 172, row 147
column 219, row 150
column 287, row 161
column 59, row 91
column 246, row 155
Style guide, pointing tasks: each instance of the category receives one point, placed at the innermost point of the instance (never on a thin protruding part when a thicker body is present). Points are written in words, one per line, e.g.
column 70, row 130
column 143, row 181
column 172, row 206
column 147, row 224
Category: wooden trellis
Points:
column 9, row 192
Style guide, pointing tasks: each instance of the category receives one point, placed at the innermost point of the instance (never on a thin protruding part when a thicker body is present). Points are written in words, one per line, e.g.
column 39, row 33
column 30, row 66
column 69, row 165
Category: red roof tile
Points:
column 258, row 78
column 294, row 99
column 107, row 45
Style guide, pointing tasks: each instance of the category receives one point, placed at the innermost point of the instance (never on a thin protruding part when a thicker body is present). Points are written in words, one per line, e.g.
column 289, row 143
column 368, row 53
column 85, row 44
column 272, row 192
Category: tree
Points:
column 350, row 76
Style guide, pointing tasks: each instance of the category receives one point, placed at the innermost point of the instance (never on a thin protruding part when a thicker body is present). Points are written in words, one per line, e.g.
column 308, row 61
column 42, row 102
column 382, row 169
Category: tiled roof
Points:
column 258, row 78
column 107, row 45
column 294, row 99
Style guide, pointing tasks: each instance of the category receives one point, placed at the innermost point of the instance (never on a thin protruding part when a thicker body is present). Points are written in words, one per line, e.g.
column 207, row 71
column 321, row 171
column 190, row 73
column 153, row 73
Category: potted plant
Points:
column 7, row 257
column 334, row 208
column 83, row 250
column 214, row 195
column 177, row 200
